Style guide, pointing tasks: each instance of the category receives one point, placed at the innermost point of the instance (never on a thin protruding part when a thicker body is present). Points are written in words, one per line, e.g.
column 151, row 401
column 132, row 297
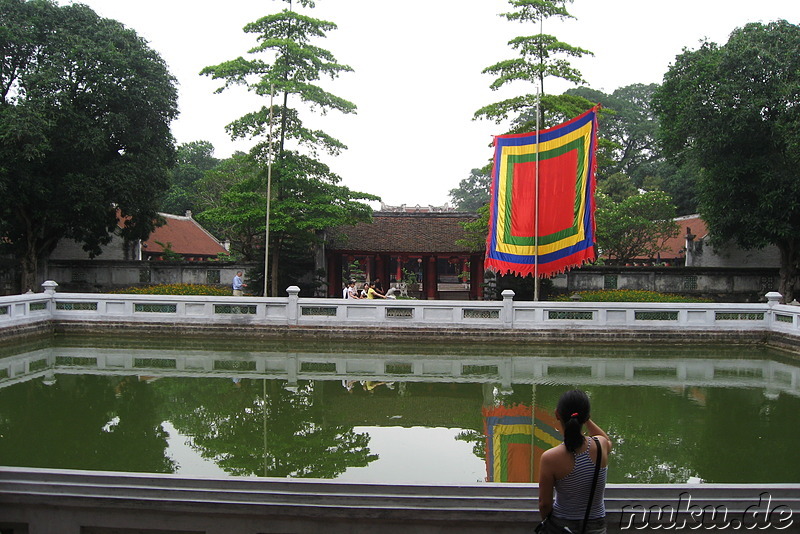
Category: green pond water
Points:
column 442, row 414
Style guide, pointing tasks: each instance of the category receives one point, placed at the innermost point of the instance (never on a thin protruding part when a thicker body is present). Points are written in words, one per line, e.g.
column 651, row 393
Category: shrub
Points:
column 630, row 295
column 177, row 289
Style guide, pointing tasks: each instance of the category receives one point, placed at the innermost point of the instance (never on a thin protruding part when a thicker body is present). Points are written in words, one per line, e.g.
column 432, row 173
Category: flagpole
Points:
column 269, row 193
column 533, row 432
column 536, row 208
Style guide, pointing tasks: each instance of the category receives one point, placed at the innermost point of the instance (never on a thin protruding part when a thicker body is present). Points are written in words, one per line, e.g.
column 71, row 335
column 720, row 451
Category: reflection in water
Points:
column 397, row 417
column 419, row 455
column 83, row 422
column 516, row 436
column 260, row 428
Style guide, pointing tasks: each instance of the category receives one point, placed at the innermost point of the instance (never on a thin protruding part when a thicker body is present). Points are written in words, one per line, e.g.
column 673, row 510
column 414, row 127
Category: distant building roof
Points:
column 406, row 233
column 675, row 247
column 689, row 224
column 404, row 208
column 184, row 235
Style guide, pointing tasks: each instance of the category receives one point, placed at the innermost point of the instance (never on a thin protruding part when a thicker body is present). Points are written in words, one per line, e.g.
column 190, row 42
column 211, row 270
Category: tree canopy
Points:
column 636, row 226
column 306, row 195
column 540, row 56
column 473, row 191
column 734, row 112
column 85, row 110
column 194, row 160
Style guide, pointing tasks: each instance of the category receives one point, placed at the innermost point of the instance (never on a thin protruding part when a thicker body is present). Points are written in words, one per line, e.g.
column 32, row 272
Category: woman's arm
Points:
column 595, row 430
column 546, row 482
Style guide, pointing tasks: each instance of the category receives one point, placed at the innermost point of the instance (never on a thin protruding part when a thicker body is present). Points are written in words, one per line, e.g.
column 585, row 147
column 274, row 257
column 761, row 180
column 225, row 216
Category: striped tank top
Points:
column 572, row 491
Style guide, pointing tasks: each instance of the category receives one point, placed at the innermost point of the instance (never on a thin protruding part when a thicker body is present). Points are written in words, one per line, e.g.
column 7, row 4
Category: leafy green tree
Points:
column 680, row 181
column 306, row 195
column 473, row 191
column 618, row 187
column 193, row 161
column 734, row 111
column 232, row 198
column 215, row 182
column 475, row 231
column 638, row 226
column 630, row 124
column 85, row 109
column 541, row 56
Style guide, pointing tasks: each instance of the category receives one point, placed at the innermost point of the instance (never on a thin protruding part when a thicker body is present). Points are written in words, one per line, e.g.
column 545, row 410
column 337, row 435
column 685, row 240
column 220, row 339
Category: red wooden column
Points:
column 431, row 278
column 398, row 275
column 382, row 270
column 368, row 269
column 334, row 265
column 476, row 277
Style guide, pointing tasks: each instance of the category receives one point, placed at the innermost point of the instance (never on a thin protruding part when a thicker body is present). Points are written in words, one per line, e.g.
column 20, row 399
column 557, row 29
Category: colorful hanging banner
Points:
column 563, row 235
column 515, row 441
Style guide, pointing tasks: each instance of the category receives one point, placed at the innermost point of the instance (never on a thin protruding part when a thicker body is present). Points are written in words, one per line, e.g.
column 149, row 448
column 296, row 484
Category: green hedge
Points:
column 177, row 289
column 629, row 295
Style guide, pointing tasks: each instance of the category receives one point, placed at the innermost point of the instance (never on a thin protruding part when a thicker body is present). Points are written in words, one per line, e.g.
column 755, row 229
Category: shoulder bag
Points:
column 594, row 482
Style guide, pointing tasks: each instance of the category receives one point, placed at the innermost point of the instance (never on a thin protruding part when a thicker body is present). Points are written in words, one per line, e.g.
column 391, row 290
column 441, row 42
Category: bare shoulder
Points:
column 559, row 461
column 606, row 443
column 605, row 446
column 552, row 455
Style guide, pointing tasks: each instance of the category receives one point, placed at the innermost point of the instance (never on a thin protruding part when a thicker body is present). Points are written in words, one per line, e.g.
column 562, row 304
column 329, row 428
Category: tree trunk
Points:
column 790, row 269
column 29, row 265
column 273, row 267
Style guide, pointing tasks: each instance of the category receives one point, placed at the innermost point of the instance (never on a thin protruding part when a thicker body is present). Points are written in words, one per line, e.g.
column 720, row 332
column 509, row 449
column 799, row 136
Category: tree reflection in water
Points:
column 84, row 422
column 258, row 427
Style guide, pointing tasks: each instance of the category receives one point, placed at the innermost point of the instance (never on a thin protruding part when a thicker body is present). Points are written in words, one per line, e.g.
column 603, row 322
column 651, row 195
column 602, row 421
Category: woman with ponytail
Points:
column 569, row 469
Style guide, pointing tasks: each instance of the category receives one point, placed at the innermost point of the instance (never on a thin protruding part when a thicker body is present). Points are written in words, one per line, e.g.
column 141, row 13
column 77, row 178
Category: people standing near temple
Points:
column 373, row 293
column 569, row 469
column 238, row 285
column 353, row 290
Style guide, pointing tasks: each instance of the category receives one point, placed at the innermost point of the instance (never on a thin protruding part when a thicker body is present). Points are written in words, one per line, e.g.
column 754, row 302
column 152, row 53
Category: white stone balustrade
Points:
column 293, row 310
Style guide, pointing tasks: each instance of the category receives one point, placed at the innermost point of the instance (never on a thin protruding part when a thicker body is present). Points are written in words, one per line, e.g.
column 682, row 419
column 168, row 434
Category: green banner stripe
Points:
column 529, row 241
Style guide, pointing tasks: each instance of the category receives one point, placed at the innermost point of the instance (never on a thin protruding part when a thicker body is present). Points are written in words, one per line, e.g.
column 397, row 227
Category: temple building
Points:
column 416, row 247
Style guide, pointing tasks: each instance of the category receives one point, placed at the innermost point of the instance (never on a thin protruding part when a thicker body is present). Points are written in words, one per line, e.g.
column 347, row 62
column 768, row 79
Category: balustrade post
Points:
column 50, row 287
column 293, row 307
column 50, row 290
column 773, row 298
column 508, row 308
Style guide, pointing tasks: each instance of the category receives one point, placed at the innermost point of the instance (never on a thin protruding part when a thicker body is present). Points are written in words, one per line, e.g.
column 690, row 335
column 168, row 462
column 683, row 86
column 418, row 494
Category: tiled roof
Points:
column 689, row 222
column 675, row 246
column 404, row 233
column 185, row 236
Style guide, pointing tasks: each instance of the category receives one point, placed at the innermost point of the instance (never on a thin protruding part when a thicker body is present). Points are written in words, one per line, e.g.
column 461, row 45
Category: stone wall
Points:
column 703, row 254
column 103, row 276
column 718, row 284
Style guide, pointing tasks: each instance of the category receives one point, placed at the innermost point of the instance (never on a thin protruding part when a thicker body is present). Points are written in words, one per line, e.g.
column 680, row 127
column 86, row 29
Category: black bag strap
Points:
column 594, row 482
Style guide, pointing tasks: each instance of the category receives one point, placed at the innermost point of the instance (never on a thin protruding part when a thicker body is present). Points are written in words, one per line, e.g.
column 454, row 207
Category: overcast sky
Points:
column 418, row 63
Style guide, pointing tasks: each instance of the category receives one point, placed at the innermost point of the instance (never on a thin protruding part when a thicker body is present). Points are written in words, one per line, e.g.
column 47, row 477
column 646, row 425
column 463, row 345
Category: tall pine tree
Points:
column 306, row 194
column 540, row 56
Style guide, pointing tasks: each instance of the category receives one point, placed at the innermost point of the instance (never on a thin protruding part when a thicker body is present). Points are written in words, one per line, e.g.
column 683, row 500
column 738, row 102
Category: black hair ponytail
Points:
column 573, row 409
